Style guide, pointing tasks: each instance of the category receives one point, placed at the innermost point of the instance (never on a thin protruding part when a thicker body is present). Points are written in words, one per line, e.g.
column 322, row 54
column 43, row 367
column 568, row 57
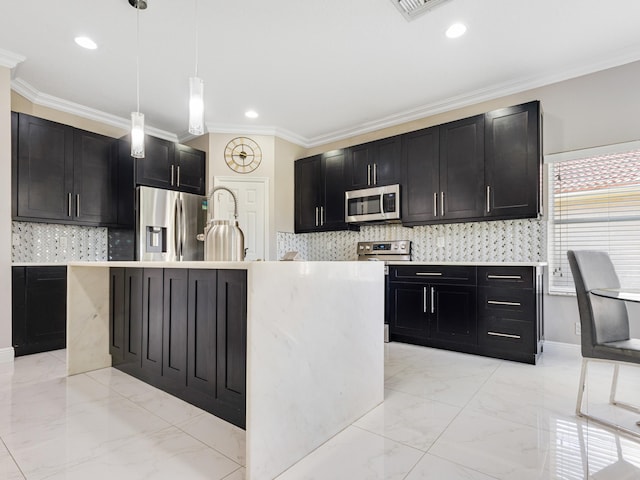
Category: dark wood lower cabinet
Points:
column 192, row 334
column 39, row 309
column 494, row 311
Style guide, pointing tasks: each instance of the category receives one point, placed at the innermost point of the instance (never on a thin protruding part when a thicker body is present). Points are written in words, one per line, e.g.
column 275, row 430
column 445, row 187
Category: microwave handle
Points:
column 382, row 203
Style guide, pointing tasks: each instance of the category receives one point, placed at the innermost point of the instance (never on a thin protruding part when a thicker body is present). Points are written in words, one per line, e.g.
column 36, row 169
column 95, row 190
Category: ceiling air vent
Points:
column 414, row 8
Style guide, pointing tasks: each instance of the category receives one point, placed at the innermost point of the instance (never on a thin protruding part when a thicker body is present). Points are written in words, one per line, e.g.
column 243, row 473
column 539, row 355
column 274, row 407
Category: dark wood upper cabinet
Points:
column 513, row 161
column 62, row 174
column 374, row 163
column 462, row 168
column 170, row 165
column 319, row 192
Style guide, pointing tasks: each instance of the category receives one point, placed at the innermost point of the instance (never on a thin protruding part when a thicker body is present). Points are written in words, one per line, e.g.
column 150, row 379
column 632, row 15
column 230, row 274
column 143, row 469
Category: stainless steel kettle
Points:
column 223, row 239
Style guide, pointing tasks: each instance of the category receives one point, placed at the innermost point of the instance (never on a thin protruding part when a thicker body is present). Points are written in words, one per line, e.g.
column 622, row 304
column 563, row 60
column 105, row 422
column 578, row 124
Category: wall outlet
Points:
column 15, row 239
column 578, row 328
column 440, row 242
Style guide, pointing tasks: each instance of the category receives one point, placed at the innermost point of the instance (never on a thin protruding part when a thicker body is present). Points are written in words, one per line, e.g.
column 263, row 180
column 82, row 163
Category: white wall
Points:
column 6, row 350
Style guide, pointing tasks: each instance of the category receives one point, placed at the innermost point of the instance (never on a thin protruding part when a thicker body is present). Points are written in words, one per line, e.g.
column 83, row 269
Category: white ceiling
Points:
column 316, row 71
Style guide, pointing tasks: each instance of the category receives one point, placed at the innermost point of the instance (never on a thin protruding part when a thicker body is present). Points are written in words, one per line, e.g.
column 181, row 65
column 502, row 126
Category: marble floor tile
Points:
column 168, row 454
column 237, row 475
column 8, row 468
column 218, row 434
column 30, row 369
column 408, row 419
column 355, row 454
column 431, row 467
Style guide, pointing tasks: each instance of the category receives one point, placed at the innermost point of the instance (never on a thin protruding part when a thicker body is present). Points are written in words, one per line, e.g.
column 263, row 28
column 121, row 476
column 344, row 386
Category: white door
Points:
column 253, row 202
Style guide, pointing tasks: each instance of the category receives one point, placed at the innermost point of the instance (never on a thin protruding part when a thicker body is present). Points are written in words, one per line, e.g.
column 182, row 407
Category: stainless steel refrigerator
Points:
column 167, row 223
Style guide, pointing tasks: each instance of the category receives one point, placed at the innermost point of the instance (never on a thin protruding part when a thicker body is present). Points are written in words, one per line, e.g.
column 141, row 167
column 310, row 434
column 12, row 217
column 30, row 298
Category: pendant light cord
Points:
column 196, row 29
column 138, row 57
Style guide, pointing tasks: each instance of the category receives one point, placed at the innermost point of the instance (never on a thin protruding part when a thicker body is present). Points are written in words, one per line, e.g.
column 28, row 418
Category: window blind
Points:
column 595, row 205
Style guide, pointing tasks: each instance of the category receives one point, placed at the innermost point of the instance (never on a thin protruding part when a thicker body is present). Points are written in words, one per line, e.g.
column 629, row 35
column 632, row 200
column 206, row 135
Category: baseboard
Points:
column 6, row 355
column 561, row 345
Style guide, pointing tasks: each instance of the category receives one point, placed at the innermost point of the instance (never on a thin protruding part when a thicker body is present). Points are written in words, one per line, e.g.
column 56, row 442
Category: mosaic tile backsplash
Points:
column 53, row 243
column 499, row 241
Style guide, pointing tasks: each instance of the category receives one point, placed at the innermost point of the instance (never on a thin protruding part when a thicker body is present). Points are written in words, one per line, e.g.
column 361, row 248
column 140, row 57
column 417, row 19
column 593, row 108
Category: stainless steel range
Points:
column 387, row 251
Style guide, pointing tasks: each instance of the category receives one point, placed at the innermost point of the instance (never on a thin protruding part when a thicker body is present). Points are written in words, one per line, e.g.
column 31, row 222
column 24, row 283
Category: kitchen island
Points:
column 315, row 355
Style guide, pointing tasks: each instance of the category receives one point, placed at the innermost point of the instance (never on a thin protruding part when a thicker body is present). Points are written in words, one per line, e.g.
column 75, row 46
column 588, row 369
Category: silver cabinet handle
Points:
column 429, row 274
column 369, row 174
column 505, row 335
column 321, row 216
column 488, row 198
column 172, row 174
column 442, row 203
column 433, row 300
column 375, row 173
column 178, row 176
column 499, row 302
column 316, row 216
column 69, row 205
column 424, row 299
column 77, row 204
column 505, row 277
column 435, row 204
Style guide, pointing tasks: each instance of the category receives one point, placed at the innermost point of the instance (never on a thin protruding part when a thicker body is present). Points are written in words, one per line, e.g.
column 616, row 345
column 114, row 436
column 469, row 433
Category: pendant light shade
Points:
column 196, row 106
column 137, row 135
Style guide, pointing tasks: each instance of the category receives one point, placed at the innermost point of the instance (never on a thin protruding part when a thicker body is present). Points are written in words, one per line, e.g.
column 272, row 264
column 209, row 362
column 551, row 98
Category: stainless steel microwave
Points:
column 373, row 204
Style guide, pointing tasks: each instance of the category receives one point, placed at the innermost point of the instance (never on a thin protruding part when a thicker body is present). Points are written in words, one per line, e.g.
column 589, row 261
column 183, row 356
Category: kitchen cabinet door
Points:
column 133, row 278
column 174, row 356
column 152, row 317
column 231, row 351
column 420, row 189
column 453, row 313
column 44, row 170
column 513, row 161
column 201, row 333
column 157, row 168
column 307, row 194
column 95, row 172
column 190, row 170
column 462, row 169
column 408, row 318
column 39, row 315
column 116, row 314
column 374, row 163
column 332, row 211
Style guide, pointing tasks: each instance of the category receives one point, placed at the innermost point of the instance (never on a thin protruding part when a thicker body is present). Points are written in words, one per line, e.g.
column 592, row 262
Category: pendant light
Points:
column 137, row 118
column 196, row 91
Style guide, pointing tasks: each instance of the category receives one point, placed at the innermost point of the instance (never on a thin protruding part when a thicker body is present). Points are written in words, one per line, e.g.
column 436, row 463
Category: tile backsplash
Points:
column 52, row 243
column 500, row 241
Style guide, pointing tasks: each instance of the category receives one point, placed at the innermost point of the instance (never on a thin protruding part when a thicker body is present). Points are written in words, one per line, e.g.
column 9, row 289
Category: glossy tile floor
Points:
column 446, row 416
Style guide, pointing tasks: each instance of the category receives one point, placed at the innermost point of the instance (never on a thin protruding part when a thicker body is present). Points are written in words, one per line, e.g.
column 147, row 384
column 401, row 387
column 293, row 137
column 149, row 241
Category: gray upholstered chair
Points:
column 605, row 325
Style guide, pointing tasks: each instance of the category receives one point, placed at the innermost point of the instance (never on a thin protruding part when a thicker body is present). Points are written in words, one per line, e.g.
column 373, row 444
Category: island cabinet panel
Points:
column 490, row 310
column 174, row 364
column 152, row 317
column 201, row 376
column 513, row 161
column 184, row 331
column 39, row 309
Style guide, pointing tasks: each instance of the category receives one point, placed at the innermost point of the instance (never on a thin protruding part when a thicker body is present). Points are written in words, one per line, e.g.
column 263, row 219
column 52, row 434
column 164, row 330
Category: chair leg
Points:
column 614, row 388
column 600, row 421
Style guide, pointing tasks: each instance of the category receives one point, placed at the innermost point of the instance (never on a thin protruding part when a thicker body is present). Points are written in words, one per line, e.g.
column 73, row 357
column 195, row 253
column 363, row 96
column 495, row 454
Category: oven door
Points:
column 373, row 204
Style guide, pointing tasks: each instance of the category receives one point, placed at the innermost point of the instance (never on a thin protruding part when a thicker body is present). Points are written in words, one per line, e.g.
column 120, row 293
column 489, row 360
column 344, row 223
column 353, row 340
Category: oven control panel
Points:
column 395, row 250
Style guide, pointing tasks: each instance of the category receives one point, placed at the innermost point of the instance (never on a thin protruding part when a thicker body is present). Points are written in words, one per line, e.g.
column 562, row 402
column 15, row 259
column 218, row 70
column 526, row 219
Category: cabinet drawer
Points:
column 433, row 274
column 511, row 276
column 505, row 333
column 514, row 302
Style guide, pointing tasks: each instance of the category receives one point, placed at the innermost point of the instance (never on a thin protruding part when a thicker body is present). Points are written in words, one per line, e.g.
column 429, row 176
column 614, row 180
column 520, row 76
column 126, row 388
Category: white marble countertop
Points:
column 475, row 264
column 40, row 264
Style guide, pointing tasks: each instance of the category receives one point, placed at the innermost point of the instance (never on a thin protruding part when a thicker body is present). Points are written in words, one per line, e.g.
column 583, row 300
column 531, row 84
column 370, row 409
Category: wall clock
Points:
column 242, row 155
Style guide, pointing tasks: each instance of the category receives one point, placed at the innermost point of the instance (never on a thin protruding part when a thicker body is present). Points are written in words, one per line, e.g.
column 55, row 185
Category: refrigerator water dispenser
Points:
column 156, row 239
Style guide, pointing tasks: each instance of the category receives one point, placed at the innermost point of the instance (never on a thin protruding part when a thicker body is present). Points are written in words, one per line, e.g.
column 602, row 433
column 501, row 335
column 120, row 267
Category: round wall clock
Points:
column 242, row 155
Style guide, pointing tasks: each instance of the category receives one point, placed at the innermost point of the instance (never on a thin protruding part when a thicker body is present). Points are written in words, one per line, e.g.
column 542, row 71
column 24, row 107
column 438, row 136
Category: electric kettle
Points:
column 223, row 239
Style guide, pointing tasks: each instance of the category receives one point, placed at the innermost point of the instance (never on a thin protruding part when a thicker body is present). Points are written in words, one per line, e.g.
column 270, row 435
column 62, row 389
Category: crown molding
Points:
column 9, row 59
column 239, row 129
column 35, row 96
column 478, row 96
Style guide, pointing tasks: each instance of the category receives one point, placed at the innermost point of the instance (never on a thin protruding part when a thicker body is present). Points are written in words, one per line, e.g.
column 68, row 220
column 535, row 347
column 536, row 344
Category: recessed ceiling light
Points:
column 86, row 42
column 456, row 30
column 251, row 114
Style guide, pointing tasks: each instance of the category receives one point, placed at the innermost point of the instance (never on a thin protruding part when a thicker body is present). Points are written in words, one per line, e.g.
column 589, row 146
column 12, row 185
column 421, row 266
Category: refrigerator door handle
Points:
column 176, row 228
column 183, row 228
